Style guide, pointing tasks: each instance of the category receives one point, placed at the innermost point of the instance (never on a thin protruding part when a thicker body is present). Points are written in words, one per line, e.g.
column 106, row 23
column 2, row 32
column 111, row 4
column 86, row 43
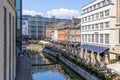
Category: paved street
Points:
column 23, row 68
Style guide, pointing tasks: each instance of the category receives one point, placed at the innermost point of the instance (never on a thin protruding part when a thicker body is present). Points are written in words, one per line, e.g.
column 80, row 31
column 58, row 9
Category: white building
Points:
column 98, row 28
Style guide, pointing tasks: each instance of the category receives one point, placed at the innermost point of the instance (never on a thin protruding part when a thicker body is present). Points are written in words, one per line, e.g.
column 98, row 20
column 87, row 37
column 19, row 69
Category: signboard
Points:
column 24, row 27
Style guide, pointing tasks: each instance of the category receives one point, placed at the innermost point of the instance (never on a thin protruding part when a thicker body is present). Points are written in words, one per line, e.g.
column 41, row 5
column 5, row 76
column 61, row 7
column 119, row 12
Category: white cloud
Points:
column 63, row 13
column 29, row 12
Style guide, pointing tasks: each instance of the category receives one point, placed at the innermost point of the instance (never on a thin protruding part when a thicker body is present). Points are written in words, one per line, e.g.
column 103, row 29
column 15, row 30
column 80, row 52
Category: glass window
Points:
column 92, row 37
column 96, row 26
column 97, row 15
column 18, row 5
column 93, row 17
column 101, row 38
column 103, row 3
column 88, row 27
column 85, row 19
column 90, row 8
column 89, row 18
column 101, row 25
column 107, row 13
column 85, row 27
column 106, row 38
column 96, row 38
column 101, row 14
column 88, row 37
column 94, row 6
column 99, row 5
column 85, row 37
column 93, row 27
column 82, row 27
column 106, row 24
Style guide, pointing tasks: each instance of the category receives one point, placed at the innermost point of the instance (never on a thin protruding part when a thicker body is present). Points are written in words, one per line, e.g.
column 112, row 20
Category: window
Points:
column 89, row 18
column 101, row 14
column 90, row 8
column 107, row 13
column 88, row 27
column 82, row 27
column 101, row 25
column 101, row 38
column 106, row 24
column 82, row 19
column 93, row 27
column 94, row 6
column 96, row 38
column 99, row 5
column 83, row 37
column 103, row 3
column 93, row 17
column 85, row 27
column 92, row 37
column 97, row 15
column 88, row 37
column 106, row 38
column 96, row 26
column 85, row 19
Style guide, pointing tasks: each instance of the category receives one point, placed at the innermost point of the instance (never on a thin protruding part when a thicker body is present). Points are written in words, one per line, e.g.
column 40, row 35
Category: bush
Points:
column 112, row 61
column 40, row 43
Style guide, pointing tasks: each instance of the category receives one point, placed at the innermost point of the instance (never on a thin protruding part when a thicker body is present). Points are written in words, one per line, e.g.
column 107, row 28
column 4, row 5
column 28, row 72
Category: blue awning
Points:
column 94, row 48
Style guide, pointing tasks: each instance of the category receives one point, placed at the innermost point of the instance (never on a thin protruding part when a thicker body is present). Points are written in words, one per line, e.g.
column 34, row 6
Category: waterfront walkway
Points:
column 23, row 68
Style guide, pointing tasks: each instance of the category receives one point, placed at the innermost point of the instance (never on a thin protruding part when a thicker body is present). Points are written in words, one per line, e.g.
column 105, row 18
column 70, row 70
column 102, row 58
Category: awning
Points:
column 99, row 49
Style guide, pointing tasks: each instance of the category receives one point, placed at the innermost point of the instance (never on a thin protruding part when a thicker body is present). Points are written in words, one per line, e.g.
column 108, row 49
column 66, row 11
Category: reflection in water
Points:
column 51, row 72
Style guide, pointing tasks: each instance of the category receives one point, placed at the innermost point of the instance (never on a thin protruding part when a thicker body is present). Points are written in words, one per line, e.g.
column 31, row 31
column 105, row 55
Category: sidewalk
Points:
column 23, row 68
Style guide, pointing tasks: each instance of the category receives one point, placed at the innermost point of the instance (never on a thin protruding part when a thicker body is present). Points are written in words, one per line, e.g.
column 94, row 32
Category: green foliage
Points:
column 85, row 66
column 109, row 78
column 112, row 61
column 40, row 43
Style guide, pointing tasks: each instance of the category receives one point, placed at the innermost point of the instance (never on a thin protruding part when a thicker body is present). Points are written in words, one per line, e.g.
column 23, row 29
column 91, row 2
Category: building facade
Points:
column 51, row 32
column 18, row 5
column 7, row 40
column 115, row 51
column 98, row 31
column 37, row 25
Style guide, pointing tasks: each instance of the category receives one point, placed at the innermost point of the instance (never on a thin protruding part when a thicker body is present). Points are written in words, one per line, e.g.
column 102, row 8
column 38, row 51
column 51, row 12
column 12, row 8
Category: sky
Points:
column 57, row 8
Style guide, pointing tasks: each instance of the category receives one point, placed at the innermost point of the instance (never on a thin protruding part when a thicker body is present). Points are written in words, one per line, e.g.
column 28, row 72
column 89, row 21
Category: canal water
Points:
column 48, row 70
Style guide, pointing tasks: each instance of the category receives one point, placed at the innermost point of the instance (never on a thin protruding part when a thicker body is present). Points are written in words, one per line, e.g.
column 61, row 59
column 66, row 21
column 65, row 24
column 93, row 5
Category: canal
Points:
column 49, row 70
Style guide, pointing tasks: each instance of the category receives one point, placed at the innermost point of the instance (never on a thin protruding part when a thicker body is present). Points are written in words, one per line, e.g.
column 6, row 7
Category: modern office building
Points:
column 7, row 40
column 37, row 25
column 18, row 5
column 98, row 31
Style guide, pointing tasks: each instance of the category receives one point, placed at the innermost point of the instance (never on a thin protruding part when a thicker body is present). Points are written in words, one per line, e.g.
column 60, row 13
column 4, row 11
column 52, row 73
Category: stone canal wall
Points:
column 73, row 66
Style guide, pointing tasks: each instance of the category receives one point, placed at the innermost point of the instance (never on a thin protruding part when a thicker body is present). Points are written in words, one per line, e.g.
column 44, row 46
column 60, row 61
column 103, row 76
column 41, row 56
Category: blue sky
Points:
column 58, row 8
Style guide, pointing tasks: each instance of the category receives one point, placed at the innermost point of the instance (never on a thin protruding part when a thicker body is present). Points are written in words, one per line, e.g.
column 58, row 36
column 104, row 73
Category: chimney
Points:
column 73, row 23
